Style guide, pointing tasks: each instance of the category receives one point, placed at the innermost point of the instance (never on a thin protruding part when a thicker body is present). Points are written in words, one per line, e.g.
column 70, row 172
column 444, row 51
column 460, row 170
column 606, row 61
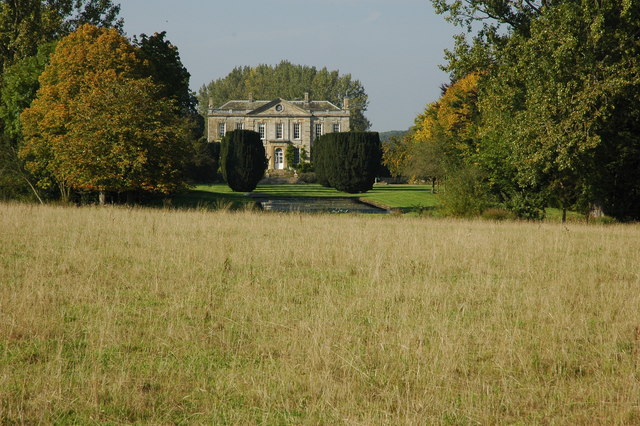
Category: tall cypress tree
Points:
column 242, row 159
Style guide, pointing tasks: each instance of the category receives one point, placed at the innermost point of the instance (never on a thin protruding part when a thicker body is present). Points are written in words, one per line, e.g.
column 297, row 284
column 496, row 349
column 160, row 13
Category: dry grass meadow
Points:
column 157, row 316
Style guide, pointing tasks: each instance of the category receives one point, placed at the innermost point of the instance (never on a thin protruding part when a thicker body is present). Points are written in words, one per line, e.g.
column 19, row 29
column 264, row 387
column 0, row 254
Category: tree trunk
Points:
column 564, row 213
column 131, row 198
column 65, row 192
column 102, row 197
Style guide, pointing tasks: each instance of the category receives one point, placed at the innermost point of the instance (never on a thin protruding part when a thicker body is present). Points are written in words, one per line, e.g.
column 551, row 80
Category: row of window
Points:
column 262, row 129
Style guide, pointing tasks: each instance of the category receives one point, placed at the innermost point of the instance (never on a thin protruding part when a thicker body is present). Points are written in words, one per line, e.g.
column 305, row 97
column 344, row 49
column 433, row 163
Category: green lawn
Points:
column 403, row 197
column 406, row 198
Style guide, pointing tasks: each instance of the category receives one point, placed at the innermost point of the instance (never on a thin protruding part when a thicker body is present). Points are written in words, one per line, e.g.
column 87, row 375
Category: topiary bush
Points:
column 242, row 160
column 321, row 157
column 348, row 161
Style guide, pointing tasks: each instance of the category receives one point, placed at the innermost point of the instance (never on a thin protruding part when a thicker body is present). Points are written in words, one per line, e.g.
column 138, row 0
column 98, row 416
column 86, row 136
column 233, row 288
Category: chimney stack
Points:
column 306, row 99
column 345, row 104
column 210, row 103
column 250, row 97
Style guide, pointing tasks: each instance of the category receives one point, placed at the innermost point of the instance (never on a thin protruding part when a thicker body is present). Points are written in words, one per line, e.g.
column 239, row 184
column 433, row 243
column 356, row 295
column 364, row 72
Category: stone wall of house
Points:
column 233, row 120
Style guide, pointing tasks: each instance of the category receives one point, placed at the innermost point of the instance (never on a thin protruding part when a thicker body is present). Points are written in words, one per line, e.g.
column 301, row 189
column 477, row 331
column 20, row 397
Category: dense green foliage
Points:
column 348, row 161
column 26, row 24
column 243, row 160
column 289, row 81
column 204, row 165
column 163, row 63
column 551, row 118
column 28, row 31
column 167, row 70
column 290, row 156
column 99, row 124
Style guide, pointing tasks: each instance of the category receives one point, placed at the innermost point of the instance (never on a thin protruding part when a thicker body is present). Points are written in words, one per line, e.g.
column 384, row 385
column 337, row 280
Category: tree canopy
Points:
column 289, row 81
column 557, row 100
column 26, row 24
column 98, row 122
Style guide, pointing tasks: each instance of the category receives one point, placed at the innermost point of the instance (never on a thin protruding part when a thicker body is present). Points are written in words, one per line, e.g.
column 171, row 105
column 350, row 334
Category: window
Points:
column 336, row 127
column 262, row 130
column 318, row 130
column 221, row 130
column 296, row 130
column 239, row 126
column 279, row 131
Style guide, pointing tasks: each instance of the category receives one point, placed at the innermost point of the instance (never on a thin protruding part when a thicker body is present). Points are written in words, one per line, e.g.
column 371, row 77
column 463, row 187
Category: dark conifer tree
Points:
column 348, row 161
column 320, row 159
column 242, row 160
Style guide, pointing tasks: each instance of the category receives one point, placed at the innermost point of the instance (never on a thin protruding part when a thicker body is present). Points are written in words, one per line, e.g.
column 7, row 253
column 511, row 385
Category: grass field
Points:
column 165, row 316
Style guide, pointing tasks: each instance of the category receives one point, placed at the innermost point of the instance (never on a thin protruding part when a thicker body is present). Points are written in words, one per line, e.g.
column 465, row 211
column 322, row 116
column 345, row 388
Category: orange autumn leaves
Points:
column 98, row 122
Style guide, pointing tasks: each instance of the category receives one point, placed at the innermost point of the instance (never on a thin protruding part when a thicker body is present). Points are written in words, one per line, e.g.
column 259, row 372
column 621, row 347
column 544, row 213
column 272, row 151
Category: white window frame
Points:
column 240, row 126
column 318, row 130
column 336, row 127
column 279, row 131
column 296, row 130
column 222, row 129
column 262, row 129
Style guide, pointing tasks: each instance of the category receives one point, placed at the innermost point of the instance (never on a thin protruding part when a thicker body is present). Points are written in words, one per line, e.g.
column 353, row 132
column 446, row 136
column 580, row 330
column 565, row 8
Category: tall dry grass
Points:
column 156, row 316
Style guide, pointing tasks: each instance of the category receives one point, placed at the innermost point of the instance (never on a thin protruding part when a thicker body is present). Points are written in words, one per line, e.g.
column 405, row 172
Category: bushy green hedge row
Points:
column 347, row 161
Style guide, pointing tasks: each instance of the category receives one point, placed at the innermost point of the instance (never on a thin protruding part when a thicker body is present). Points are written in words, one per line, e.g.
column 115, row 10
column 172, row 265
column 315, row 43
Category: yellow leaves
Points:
column 453, row 114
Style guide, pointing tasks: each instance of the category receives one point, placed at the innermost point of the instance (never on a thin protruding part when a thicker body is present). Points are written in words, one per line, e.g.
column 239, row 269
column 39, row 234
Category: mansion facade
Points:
column 280, row 123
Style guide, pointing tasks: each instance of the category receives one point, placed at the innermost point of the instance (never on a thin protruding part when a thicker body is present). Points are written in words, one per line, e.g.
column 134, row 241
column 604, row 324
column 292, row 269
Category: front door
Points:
column 279, row 159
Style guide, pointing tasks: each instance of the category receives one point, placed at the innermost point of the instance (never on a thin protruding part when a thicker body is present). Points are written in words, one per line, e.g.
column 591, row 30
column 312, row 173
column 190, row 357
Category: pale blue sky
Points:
column 393, row 47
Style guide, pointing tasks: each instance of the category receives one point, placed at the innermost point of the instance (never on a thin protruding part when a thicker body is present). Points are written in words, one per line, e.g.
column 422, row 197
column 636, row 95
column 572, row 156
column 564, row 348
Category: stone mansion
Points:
column 280, row 123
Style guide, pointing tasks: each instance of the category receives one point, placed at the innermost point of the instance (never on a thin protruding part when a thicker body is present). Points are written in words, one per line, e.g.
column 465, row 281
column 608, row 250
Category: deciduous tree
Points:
column 98, row 123
column 289, row 81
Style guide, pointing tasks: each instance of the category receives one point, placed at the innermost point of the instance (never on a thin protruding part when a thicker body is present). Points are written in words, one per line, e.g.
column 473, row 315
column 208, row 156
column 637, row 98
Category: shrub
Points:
column 290, row 157
column 305, row 168
column 309, row 177
column 526, row 205
column 348, row 161
column 465, row 193
column 242, row 160
column 205, row 161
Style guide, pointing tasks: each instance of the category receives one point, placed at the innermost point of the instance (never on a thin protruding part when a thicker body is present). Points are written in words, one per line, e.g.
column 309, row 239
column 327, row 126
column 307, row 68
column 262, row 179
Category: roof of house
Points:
column 249, row 106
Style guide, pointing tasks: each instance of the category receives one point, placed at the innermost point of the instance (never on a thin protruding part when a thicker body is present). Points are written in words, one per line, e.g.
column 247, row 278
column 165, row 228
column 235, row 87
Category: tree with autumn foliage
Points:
column 98, row 122
column 443, row 137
